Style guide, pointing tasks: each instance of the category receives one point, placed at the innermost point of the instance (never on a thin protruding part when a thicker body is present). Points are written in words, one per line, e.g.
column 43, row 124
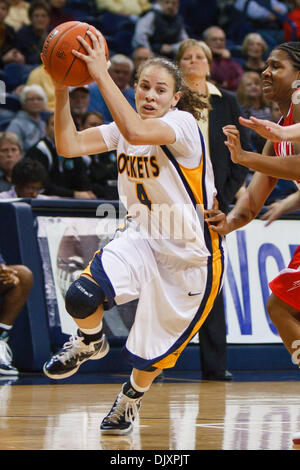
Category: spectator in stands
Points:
column 253, row 103
column 194, row 59
column 259, row 11
column 79, row 103
column 39, row 76
column 139, row 56
column 294, row 16
column 58, row 14
column 7, row 32
column 15, row 285
column 275, row 112
column 9, row 52
column 197, row 21
column 28, row 179
column 161, row 29
column 18, row 14
column 10, row 154
column 65, row 177
column 30, row 38
column 254, row 48
column 92, row 119
column 283, row 187
column 120, row 70
column 224, row 71
column 102, row 168
column 28, row 124
column 262, row 11
column 8, row 109
column 265, row 17
column 11, row 56
column 124, row 7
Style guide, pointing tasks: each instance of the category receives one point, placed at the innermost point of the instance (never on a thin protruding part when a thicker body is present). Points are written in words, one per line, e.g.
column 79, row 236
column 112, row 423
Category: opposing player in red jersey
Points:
column 280, row 82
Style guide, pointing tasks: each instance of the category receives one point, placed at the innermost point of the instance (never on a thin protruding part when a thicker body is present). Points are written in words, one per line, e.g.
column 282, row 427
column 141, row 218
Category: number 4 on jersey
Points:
column 142, row 195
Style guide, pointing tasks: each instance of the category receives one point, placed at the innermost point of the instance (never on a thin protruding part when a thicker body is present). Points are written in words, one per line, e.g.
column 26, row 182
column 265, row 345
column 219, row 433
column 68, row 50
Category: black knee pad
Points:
column 83, row 298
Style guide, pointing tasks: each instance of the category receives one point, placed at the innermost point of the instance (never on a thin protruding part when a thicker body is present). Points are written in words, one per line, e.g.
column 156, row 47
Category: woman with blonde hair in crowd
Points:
column 28, row 123
column 194, row 59
column 254, row 48
column 18, row 14
column 251, row 99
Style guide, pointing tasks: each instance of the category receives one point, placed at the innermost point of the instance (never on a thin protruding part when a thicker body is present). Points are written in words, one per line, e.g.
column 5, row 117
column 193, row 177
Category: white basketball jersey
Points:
column 165, row 188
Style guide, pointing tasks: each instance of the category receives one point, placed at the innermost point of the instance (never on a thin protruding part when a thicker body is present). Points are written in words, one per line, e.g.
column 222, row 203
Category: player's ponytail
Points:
column 192, row 102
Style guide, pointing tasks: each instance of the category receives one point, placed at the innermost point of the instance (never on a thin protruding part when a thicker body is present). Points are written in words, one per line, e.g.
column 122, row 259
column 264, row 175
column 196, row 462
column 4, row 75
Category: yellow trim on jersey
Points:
column 87, row 270
column 193, row 177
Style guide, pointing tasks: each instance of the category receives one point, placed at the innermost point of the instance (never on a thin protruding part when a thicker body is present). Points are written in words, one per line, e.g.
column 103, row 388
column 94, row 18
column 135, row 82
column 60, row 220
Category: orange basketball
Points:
column 57, row 55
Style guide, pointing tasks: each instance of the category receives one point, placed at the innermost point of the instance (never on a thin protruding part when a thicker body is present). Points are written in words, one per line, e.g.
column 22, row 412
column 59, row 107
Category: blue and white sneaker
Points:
column 121, row 416
column 74, row 353
column 6, row 357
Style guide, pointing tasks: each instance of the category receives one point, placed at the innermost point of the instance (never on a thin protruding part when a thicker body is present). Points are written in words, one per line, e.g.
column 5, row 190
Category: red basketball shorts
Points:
column 286, row 285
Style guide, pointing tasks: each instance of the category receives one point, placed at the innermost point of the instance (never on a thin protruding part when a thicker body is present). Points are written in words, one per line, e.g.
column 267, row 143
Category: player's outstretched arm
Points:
column 246, row 209
column 279, row 167
column 272, row 131
column 69, row 141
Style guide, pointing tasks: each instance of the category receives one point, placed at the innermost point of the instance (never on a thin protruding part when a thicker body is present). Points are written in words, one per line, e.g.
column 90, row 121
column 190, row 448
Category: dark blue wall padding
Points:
column 29, row 338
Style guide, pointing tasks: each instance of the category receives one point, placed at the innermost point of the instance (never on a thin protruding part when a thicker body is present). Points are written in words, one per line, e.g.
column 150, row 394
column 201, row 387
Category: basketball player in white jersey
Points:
column 175, row 269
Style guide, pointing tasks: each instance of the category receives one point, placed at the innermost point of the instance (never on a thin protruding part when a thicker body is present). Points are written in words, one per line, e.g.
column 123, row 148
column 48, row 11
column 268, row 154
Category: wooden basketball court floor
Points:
column 182, row 412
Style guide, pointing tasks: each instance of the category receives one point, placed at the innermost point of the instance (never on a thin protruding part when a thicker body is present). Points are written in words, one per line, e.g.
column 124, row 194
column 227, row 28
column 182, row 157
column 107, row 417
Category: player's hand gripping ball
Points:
column 57, row 56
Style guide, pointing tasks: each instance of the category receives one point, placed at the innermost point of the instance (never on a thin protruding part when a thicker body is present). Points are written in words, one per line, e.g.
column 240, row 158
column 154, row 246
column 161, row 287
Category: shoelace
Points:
column 69, row 349
column 5, row 353
column 124, row 407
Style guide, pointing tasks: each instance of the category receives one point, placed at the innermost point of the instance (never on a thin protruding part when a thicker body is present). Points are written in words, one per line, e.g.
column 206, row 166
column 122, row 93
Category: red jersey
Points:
column 283, row 149
column 286, row 285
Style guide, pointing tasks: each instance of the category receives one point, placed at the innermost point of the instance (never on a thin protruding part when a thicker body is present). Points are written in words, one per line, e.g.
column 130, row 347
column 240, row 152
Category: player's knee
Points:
column 25, row 276
column 83, row 298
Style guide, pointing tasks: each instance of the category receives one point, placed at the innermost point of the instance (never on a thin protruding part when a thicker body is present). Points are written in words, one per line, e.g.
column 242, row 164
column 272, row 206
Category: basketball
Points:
column 57, row 55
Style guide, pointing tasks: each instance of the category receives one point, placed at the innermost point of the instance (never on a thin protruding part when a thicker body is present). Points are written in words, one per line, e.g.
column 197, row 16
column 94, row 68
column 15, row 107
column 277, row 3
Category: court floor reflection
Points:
column 174, row 416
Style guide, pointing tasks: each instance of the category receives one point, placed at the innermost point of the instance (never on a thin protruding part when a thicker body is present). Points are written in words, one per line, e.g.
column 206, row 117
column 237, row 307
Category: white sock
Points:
column 6, row 327
column 92, row 331
column 4, row 331
column 136, row 387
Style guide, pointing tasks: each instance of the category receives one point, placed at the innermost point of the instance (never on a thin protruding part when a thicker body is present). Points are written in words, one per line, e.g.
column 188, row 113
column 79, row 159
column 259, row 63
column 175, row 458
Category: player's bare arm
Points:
column 272, row 131
column 280, row 167
column 248, row 205
column 69, row 141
